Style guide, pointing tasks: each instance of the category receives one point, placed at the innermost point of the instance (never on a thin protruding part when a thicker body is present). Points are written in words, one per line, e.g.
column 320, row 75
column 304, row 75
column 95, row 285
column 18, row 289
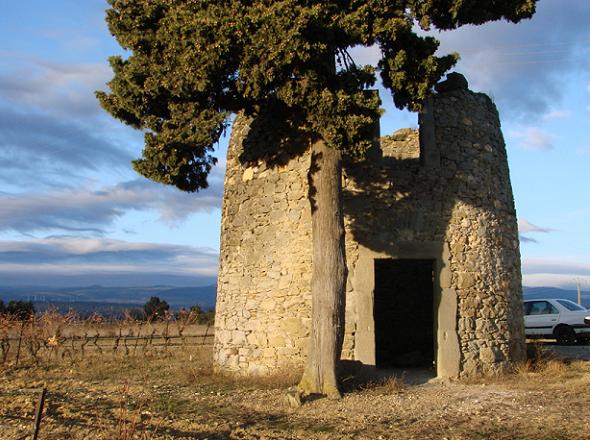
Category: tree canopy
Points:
column 191, row 63
column 155, row 308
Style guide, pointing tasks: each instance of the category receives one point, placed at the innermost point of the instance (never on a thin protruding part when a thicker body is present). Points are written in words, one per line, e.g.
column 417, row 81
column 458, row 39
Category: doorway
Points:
column 403, row 312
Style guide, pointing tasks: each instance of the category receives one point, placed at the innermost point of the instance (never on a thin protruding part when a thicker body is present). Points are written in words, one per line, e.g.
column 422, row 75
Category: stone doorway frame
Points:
column 446, row 344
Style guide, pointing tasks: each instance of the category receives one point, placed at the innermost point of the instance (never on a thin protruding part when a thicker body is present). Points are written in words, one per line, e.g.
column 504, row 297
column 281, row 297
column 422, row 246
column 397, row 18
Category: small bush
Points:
column 21, row 310
column 155, row 308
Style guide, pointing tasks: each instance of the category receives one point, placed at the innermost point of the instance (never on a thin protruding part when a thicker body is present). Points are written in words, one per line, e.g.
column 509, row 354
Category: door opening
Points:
column 403, row 310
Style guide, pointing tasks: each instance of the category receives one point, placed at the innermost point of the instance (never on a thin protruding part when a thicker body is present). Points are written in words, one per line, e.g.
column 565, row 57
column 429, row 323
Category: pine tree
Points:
column 192, row 63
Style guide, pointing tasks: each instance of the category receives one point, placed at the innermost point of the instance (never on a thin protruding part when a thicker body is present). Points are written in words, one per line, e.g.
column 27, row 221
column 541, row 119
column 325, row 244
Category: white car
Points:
column 559, row 319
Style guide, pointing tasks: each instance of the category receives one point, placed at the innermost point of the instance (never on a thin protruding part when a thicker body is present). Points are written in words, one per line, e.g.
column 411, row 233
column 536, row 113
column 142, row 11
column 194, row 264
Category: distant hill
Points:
column 554, row 292
column 86, row 308
column 113, row 298
column 106, row 300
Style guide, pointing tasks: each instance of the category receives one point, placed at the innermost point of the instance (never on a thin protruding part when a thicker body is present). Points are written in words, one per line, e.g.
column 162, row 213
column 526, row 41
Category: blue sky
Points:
column 72, row 211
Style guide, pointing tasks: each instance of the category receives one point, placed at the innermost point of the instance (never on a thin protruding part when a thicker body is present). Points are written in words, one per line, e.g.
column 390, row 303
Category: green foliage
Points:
column 21, row 310
column 192, row 63
column 204, row 317
column 155, row 308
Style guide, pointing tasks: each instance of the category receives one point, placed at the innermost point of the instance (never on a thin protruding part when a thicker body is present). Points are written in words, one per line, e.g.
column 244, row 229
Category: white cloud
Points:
column 52, row 128
column 525, row 239
column 564, row 273
column 555, row 114
column 37, row 143
column 32, row 261
column 71, row 38
column 524, row 226
column 579, row 266
column 84, row 254
column 554, row 280
column 93, row 210
column 524, row 65
column 534, row 138
column 66, row 89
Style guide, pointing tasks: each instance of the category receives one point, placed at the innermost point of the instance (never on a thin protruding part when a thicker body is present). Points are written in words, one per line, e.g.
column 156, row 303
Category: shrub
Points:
column 20, row 310
column 155, row 308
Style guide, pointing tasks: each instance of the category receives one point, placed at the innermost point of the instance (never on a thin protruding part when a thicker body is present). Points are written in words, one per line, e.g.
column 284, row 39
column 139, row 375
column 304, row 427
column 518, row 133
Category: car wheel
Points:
column 565, row 335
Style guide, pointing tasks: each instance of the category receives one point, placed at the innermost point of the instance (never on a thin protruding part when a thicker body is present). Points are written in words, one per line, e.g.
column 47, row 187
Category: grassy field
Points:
column 173, row 392
column 46, row 338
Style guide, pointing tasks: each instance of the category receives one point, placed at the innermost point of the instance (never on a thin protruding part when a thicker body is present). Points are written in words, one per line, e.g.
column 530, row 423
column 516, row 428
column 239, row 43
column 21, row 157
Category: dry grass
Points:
column 381, row 386
column 544, row 367
column 180, row 396
column 177, row 394
column 392, row 385
column 51, row 337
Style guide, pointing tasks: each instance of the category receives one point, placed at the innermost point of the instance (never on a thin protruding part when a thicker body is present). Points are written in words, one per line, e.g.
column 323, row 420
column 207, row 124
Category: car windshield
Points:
column 570, row 305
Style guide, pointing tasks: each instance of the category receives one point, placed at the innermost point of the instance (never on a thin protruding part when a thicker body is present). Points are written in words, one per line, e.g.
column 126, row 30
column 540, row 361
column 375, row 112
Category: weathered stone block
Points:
column 465, row 280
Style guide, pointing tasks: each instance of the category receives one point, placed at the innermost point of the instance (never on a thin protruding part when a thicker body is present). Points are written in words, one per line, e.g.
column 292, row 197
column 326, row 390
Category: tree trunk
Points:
column 329, row 272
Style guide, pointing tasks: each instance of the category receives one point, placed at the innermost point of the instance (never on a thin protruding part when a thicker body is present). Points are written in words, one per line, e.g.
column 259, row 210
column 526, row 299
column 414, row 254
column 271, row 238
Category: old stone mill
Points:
column 431, row 242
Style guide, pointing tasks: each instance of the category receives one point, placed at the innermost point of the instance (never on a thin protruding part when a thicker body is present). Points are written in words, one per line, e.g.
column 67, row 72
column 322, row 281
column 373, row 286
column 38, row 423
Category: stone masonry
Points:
column 441, row 192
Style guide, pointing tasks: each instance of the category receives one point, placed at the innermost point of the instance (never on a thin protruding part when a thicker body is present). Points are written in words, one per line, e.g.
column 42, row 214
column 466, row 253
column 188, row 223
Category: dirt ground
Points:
column 177, row 396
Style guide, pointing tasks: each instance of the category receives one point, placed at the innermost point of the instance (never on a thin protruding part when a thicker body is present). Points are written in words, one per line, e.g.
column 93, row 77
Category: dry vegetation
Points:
column 41, row 340
column 170, row 391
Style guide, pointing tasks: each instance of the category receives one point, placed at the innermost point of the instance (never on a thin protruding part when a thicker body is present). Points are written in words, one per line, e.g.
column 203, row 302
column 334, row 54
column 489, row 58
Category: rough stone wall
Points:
column 482, row 232
column 263, row 310
column 403, row 144
column 458, row 206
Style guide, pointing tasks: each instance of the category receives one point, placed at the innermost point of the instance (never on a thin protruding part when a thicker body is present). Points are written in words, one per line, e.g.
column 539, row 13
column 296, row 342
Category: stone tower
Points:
column 431, row 241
